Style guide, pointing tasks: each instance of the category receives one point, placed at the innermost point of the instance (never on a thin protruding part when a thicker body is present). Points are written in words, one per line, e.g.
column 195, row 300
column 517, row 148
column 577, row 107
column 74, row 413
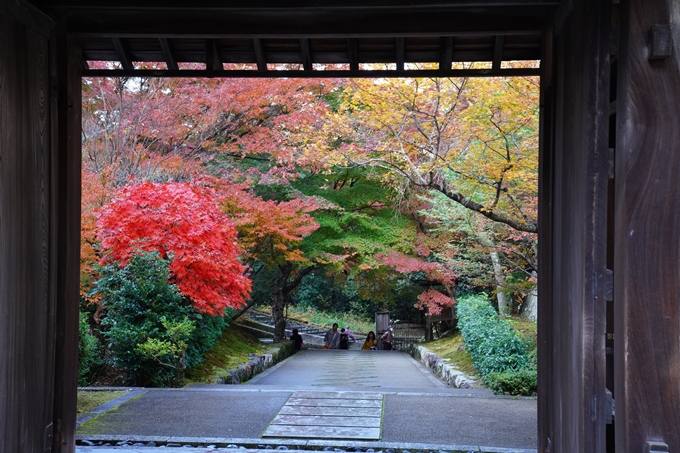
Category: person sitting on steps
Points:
column 387, row 340
column 344, row 339
column 370, row 343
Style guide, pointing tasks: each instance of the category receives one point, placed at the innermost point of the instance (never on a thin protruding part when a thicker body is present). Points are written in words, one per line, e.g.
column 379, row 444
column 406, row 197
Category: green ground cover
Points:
column 231, row 350
column 452, row 347
column 88, row 400
column 356, row 324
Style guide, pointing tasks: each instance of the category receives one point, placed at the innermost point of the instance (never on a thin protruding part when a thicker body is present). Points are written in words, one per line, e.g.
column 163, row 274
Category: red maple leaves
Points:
column 183, row 222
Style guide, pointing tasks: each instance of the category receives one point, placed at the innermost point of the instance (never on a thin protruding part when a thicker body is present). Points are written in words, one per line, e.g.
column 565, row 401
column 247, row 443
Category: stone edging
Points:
column 256, row 365
column 438, row 366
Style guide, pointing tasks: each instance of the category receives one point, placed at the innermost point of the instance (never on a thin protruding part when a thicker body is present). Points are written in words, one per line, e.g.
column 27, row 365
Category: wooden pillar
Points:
column 572, row 228
column 27, row 279
column 647, row 228
column 40, row 132
column 66, row 170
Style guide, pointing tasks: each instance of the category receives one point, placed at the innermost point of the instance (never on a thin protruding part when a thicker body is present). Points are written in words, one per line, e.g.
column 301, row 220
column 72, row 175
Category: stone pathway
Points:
column 329, row 415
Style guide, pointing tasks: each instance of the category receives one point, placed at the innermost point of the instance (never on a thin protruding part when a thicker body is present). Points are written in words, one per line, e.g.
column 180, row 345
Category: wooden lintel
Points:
column 167, row 53
column 123, row 55
column 400, row 53
column 498, row 52
column 260, row 56
column 353, row 51
column 512, row 72
column 445, row 53
column 306, row 54
column 212, row 56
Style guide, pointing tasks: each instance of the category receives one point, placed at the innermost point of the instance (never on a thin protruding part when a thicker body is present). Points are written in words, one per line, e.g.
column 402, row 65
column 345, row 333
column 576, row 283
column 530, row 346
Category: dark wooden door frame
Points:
column 574, row 152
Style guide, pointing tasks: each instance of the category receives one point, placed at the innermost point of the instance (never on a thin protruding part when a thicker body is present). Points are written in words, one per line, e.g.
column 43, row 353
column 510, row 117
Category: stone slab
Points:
column 322, row 432
column 327, row 420
column 331, row 411
column 333, row 402
column 344, row 395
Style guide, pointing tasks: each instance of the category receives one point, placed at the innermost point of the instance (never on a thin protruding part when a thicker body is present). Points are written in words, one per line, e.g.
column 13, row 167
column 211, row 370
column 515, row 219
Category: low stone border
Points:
column 440, row 368
column 256, row 365
column 95, row 443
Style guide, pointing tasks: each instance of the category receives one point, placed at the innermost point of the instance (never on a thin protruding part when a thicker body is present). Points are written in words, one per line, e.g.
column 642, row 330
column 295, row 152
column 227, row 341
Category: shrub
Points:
column 522, row 382
column 89, row 358
column 153, row 333
column 495, row 348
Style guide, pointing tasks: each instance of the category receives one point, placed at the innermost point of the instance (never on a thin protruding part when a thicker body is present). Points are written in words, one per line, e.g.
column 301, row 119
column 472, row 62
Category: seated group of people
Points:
column 335, row 339
column 339, row 339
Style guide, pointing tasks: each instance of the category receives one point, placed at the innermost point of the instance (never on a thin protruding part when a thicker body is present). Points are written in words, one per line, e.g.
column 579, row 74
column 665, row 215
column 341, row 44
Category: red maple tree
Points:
column 184, row 223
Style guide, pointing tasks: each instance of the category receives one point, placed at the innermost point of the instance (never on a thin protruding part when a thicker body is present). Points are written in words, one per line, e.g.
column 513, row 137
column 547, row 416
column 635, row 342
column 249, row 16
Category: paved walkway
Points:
column 416, row 411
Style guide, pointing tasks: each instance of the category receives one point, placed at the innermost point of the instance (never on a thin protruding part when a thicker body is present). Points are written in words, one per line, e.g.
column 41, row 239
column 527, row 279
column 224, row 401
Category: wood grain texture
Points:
column 27, row 289
column 573, row 194
column 66, row 170
column 647, row 254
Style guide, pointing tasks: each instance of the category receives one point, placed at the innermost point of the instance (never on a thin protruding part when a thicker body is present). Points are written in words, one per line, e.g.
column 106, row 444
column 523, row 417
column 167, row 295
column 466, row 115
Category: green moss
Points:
column 88, row 400
column 528, row 329
column 453, row 348
column 231, row 350
column 100, row 424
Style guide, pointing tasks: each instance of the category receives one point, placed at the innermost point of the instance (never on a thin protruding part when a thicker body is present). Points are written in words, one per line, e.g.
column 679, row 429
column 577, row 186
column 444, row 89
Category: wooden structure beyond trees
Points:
column 609, row 217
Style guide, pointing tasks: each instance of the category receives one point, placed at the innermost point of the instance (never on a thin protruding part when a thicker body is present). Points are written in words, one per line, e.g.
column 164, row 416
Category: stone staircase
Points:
column 262, row 325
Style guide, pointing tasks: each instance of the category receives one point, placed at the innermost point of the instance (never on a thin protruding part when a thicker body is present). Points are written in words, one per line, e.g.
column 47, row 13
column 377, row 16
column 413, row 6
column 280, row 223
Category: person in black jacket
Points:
column 296, row 338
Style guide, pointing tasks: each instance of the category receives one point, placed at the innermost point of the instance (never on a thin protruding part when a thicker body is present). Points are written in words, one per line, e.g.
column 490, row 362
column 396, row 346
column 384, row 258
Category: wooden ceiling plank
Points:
column 306, row 54
column 399, row 51
column 123, row 55
column 260, row 55
column 212, row 56
column 512, row 72
column 167, row 53
column 446, row 52
column 498, row 52
column 353, row 51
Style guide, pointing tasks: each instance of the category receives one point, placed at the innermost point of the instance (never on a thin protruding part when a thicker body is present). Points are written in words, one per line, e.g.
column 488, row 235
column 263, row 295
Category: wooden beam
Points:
column 123, row 55
column 168, row 55
column 399, row 53
column 353, row 51
column 498, row 52
column 647, row 243
column 513, row 72
column 212, row 56
column 306, row 54
column 445, row 53
column 260, row 55
column 310, row 23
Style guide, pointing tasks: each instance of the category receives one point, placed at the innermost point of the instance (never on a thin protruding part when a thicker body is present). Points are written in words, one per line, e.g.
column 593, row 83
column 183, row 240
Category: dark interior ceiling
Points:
column 265, row 38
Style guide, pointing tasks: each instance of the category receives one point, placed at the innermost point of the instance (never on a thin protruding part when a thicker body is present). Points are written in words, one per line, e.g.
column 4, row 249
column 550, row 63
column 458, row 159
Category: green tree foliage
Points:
column 153, row 333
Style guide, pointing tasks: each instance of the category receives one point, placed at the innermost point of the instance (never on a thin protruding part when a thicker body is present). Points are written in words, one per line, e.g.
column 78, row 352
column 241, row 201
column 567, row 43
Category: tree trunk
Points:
column 279, row 301
column 530, row 306
column 278, row 304
column 498, row 275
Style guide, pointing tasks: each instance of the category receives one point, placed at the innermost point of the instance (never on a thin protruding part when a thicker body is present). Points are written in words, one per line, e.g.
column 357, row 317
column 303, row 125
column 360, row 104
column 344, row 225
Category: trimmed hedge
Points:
column 498, row 352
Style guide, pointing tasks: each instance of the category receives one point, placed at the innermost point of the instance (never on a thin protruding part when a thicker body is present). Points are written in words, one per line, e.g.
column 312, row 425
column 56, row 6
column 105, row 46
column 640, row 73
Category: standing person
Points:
column 387, row 340
column 370, row 343
column 332, row 338
column 344, row 339
column 296, row 338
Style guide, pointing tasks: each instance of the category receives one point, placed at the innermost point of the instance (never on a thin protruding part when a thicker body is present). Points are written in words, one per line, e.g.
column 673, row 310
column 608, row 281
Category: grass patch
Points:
column 231, row 350
column 88, row 400
column 452, row 347
column 356, row 324
column 528, row 329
